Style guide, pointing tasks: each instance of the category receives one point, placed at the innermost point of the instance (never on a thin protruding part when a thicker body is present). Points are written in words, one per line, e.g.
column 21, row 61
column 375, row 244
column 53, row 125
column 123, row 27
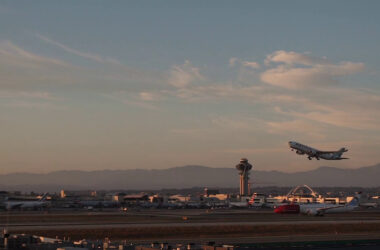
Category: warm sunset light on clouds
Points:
column 99, row 85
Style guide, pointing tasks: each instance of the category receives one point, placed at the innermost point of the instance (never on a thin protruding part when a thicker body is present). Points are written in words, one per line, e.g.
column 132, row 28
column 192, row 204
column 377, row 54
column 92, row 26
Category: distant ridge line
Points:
column 186, row 177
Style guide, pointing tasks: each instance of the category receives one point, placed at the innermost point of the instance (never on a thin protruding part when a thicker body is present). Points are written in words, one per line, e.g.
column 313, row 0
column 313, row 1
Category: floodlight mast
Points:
column 244, row 167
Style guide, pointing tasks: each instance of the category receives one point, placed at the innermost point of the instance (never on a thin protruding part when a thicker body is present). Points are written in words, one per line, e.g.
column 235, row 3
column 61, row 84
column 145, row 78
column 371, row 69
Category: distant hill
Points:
column 186, row 177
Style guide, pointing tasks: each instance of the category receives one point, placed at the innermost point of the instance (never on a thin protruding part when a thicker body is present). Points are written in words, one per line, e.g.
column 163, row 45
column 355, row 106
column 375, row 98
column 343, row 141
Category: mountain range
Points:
column 186, row 177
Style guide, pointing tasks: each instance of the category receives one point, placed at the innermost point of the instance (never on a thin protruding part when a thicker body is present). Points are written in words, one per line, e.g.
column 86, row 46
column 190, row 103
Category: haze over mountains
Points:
column 186, row 177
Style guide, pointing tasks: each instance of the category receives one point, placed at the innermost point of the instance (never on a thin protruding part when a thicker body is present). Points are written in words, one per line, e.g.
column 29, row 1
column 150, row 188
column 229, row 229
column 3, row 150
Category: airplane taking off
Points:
column 312, row 152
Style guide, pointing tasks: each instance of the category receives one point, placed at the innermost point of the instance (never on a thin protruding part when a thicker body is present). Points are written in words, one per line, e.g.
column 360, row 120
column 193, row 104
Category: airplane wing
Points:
column 14, row 206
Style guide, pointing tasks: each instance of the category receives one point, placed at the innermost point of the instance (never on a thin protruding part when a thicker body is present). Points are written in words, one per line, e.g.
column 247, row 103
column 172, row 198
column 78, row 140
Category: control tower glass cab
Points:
column 244, row 167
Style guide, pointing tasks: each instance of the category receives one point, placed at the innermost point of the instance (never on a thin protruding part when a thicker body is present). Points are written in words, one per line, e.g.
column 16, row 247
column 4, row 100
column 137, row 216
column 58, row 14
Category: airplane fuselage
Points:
column 9, row 205
column 313, row 209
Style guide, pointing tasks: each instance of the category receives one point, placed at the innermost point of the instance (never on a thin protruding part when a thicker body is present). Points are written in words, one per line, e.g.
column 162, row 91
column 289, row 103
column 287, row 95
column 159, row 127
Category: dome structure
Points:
column 302, row 191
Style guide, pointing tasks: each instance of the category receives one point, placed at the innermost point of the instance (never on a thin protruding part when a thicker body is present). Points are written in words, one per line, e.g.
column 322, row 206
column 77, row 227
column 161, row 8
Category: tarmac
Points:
column 225, row 225
column 79, row 225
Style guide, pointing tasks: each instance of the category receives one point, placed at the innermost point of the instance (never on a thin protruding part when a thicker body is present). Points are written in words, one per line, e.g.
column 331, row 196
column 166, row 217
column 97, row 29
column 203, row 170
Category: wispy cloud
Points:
column 291, row 57
column 296, row 127
column 249, row 64
column 30, row 95
column 29, row 75
column 183, row 75
column 238, row 123
column 25, row 71
column 31, row 100
column 86, row 55
column 25, row 104
column 13, row 54
column 354, row 109
column 354, row 119
column 150, row 96
column 132, row 100
column 302, row 70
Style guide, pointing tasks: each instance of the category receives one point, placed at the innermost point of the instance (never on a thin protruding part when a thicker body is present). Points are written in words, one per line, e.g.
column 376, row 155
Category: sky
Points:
column 93, row 85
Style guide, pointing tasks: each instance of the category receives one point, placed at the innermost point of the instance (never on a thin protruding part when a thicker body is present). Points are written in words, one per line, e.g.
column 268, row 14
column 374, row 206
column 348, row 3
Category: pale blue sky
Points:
column 156, row 84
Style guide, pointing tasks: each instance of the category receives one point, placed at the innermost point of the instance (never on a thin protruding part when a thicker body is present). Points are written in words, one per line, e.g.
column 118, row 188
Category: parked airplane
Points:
column 312, row 152
column 288, row 209
column 9, row 205
column 239, row 204
column 98, row 203
column 318, row 209
column 323, row 208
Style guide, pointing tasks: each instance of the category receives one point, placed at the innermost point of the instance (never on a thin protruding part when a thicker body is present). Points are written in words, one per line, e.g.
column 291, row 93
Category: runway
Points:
column 174, row 218
column 271, row 239
column 63, row 226
column 146, row 225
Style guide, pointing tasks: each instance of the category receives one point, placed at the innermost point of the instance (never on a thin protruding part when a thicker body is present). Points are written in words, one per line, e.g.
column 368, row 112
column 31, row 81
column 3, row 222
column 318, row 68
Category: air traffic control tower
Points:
column 244, row 167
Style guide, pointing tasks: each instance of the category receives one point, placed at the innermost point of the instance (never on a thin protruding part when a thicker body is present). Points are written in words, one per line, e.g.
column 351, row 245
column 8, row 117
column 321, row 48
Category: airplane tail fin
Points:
column 355, row 201
column 252, row 200
column 342, row 150
column 43, row 198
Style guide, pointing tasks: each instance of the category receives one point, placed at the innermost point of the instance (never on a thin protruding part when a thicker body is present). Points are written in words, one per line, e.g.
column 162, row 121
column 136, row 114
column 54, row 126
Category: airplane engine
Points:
column 314, row 212
column 300, row 152
column 311, row 212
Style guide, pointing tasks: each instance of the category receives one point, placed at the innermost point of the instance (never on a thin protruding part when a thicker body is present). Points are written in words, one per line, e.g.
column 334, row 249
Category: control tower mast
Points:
column 244, row 167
